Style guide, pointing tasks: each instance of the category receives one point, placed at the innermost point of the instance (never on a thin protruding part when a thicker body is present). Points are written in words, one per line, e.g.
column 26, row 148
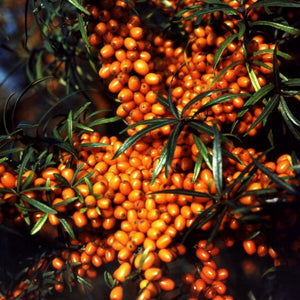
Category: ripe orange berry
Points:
column 153, row 274
column 164, row 241
column 116, row 293
column 136, row 33
column 141, row 67
column 57, row 263
column 166, row 284
column 249, row 247
column 107, row 51
column 153, row 78
column 122, row 271
column 80, row 219
column 209, row 272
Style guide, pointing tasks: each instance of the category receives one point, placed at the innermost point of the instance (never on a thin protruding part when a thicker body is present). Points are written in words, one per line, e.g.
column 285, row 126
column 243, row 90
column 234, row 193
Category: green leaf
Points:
column 84, row 282
column 201, row 220
column 167, row 154
column 290, row 188
column 203, row 151
column 93, row 145
column 23, row 92
column 65, row 146
column 292, row 82
column 39, row 224
column 202, row 127
column 56, row 104
column 199, row 97
column 217, row 162
column 284, row 107
column 186, row 192
column 216, row 227
column 280, row 3
column 27, row 181
column 267, row 110
column 25, row 159
column 152, row 125
column 286, row 28
column 208, row 10
column 104, row 121
column 253, row 77
column 222, row 47
column 79, row 6
column 76, row 172
column 39, row 205
column 70, row 126
column 221, row 99
column 67, row 227
column 143, row 257
column 279, row 53
column 197, row 167
column 259, row 95
column 223, row 71
column 289, row 123
column 65, row 202
column 83, row 31
column 109, row 280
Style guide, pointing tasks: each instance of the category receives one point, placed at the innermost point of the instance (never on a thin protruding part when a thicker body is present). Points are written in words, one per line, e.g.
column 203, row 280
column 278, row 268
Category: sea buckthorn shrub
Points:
column 181, row 187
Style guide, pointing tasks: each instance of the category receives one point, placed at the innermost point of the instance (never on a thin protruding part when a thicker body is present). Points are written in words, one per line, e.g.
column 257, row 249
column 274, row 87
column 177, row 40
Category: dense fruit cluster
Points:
column 109, row 207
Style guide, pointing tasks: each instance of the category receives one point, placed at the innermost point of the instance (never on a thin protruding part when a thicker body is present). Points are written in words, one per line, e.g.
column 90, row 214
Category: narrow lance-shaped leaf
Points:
column 279, row 53
column 187, row 192
column 217, row 163
column 219, row 100
column 201, row 219
column 259, row 95
column 23, row 92
column 197, row 167
column 276, row 73
column 152, row 125
column 109, row 280
column 222, row 47
column 171, row 104
column 286, row 28
column 289, row 123
column 79, row 6
column 292, row 82
column 67, row 227
column 56, row 104
column 39, row 224
column 39, row 205
column 280, row 3
column 217, row 225
column 25, row 159
column 104, row 121
column 202, row 127
column 70, row 126
column 267, row 110
column 290, row 188
column 199, row 97
column 223, row 71
column 203, row 150
column 93, row 145
column 284, row 107
column 167, row 154
column 253, row 77
column 241, row 177
column 208, row 10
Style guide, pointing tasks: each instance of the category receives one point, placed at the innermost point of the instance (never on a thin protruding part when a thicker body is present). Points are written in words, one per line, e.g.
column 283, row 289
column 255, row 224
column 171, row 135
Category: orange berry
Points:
column 122, row 271
column 80, row 219
column 141, row 67
column 153, row 274
column 116, row 293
